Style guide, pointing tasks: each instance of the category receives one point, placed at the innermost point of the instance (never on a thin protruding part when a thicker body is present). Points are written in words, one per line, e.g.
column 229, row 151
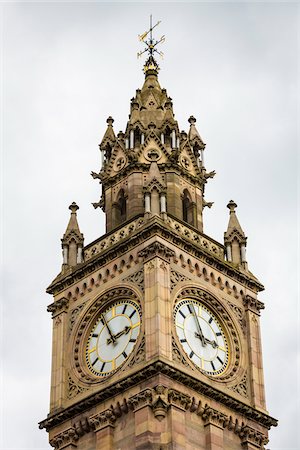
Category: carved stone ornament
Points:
column 177, row 355
column 221, row 313
column 143, row 398
column 249, row 435
column 73, row 388
column 103, row 420
column 137, row 279
column 139, row 355
column 156, row 249
column 68, row 437
column 119, row 164
column 152, row 154
column 212, row 416
column 73, row 316
column 59, row 306
column 253, row 304
column 160, row 402
column 239, row 315
column 176, row 277
column 241, row 387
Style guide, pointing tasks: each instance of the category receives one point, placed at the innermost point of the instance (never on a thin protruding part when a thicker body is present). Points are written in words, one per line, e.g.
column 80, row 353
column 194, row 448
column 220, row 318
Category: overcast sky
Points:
column 65, row 68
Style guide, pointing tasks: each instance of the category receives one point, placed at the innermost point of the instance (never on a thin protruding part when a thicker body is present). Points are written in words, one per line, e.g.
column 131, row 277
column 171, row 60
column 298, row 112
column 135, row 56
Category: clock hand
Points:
column 212, row 343
column 116, row 336
column 199, row 334
column 112, row 337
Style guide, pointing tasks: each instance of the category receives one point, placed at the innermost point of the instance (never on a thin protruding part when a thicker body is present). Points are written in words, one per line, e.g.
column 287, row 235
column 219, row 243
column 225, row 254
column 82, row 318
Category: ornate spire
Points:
column 151, row 67
column 234, row 238
column 72, row 241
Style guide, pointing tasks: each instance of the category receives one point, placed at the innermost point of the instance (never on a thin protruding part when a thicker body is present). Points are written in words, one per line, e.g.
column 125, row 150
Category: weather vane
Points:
column 151, row 47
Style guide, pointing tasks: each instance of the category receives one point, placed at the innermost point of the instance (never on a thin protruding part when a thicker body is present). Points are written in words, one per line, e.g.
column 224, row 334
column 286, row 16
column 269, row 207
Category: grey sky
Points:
column 66, row 67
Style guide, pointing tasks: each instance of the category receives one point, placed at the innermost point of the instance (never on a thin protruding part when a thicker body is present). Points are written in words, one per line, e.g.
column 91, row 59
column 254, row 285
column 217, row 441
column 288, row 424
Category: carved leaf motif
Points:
column 176, row 278
column 241, row 388
column 239, row 314
column 177, row 355
column 140, row 354
column 138, row 279
column 73, row 316
column 73, row 388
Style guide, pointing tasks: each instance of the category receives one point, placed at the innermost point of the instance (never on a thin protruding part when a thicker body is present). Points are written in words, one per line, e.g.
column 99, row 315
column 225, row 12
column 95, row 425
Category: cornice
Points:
column 59, row 306
column 147, row 372
column 156, row 249
column 155, row 226
column 253, row 304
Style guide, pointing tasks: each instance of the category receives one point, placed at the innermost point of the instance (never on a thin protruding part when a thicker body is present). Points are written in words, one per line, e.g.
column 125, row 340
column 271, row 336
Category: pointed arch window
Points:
column 121, row 208
column 187, row 208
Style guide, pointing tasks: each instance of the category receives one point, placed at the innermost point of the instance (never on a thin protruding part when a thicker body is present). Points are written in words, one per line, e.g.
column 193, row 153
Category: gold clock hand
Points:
column 199, row 334
column 112, row 337
column 116, row 336
column 213, row 343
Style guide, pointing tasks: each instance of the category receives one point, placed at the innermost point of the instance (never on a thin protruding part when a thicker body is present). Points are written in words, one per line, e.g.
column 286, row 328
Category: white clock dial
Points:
column 113, row 337
column 201, row 336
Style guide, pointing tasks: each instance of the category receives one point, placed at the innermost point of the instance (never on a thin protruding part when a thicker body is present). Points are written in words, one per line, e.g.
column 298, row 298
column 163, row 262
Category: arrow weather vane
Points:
column 151, row 47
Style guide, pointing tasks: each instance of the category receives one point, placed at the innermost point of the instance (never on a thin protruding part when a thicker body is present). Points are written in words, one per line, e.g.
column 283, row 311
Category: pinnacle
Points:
column 73, row 227
column 233, row 224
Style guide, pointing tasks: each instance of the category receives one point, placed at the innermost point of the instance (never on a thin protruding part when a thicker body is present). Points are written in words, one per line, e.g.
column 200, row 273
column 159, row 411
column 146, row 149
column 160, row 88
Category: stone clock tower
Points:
column 156, row 332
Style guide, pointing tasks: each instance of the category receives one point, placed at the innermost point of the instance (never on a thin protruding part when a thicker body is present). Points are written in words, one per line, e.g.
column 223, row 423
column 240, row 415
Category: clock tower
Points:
column 156, row 331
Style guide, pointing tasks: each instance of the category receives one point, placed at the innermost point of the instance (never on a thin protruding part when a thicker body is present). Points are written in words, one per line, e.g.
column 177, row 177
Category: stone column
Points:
column 163, row 203
column 252, row 310
column 202, row 157
column 158, row 313
column 58, row 376
column 131, row 139
column 147, row 202
column 79, row 254
column 65, row 254
column 143, row 418
column 104, row 424
column 173, row 139
column 178, row 404
column 214, row 425
column 228, row 252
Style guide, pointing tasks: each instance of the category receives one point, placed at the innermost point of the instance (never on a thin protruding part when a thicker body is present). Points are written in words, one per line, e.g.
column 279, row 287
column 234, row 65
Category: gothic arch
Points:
column 188, row 208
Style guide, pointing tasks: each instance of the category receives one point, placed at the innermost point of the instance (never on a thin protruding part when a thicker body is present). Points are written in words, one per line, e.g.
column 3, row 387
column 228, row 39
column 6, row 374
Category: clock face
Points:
column 113, row 337
column 201, row 336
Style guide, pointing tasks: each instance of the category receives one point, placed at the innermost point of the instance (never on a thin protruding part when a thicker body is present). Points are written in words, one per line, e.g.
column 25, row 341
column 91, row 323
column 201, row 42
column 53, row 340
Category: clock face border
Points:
column 81, row 332
column 226, row 320
column 202, row 337
column 113, row 334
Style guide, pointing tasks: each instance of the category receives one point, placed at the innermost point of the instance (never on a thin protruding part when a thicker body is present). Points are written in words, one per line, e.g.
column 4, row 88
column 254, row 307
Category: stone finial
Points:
column 110, row 121
column 73, row 207
column 231, row 206
column 192, row 120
